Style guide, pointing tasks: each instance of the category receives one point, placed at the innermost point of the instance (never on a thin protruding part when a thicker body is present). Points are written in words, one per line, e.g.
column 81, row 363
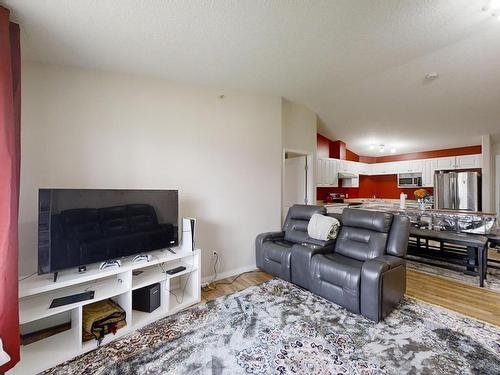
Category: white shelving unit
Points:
column 178, row 292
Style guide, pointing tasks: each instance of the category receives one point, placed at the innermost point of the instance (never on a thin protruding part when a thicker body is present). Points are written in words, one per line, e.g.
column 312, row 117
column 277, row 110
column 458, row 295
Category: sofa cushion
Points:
column 341, row 271
column 360, row 244
column 297, row 218
column 338, row 279
column 297, row 231
column 274, row 250
column 365, row 219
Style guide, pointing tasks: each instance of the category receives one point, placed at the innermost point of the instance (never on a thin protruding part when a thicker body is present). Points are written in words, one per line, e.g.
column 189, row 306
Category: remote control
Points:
column 175, row 270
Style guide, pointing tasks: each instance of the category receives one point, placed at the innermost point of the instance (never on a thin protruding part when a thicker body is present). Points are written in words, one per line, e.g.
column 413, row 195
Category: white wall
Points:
column 299, row 128
column 92, row 129
column 488, row 175
column 496, row 155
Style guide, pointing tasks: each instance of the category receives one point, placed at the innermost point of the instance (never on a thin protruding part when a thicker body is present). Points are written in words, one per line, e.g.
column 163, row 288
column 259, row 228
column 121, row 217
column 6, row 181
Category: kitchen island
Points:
column 453, row 238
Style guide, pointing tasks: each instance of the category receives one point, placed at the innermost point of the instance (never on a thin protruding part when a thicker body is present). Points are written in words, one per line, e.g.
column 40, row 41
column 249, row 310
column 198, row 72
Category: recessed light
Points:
column 381, row 148
column 372, row 147
column 393, row 150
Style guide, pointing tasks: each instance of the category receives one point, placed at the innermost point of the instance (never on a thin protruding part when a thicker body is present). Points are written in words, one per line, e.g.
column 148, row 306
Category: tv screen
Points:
column 77, row 227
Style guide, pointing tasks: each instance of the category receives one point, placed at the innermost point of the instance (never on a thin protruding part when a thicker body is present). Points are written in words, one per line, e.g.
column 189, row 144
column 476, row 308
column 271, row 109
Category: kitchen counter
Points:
column 367, row 203
column 382, row 201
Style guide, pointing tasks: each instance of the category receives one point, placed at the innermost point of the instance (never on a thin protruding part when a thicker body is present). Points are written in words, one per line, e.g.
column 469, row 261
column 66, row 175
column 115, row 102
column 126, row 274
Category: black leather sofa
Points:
column 88, row 235
column 363, row 270
column 274, row 249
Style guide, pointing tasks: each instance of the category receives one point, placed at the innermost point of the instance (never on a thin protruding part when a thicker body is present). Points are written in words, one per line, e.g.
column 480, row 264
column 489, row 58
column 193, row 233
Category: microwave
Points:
column 409, row 180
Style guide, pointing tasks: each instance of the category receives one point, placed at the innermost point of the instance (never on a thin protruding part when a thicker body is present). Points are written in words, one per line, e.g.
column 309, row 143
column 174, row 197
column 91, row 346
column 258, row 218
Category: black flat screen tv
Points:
column 77, row 227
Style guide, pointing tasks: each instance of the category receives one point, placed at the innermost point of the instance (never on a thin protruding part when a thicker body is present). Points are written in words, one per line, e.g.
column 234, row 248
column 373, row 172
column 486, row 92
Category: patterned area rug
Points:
column 278, row 328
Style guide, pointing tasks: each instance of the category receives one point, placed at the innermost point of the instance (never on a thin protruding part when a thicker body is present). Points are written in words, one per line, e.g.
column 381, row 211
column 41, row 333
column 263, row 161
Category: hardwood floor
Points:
column 479, row 303
column 224, row 286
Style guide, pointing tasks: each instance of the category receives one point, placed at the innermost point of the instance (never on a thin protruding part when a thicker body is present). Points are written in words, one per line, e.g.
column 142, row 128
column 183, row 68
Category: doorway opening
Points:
column 297, row 180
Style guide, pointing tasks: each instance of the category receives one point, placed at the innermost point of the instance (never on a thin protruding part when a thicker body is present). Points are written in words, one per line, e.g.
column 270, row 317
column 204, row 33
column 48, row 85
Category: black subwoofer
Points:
column 146, row 299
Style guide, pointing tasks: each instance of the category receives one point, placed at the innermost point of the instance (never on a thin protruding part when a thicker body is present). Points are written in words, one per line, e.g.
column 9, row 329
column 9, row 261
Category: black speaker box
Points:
column 146, row 299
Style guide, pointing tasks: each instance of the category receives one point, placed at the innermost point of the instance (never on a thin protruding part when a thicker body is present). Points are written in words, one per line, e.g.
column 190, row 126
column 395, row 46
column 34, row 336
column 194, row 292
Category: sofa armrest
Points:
column 301, row 261
column 383, row 283
column 269, row 236
column 259, row 241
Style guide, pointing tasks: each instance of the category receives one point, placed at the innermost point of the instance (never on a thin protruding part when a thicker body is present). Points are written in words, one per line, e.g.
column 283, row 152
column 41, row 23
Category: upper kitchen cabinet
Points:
column 445, row 163
column 459, row 162
column 327, row 172
column 468, row 161
column 429, row 166
column 415, row 166
column 394, row 167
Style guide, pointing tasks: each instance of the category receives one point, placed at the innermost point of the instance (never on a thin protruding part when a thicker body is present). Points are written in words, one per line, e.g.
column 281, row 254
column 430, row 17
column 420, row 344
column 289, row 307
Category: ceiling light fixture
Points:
column 372, row 147
column 393, row 150
column 381, row 148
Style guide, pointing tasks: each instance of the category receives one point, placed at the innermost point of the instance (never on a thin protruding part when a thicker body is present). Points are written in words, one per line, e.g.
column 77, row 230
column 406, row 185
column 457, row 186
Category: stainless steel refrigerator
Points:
column 457, row 191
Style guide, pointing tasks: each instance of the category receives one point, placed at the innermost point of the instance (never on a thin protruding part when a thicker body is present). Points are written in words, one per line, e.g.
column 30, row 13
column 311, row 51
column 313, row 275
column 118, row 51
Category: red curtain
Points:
column 10, row 116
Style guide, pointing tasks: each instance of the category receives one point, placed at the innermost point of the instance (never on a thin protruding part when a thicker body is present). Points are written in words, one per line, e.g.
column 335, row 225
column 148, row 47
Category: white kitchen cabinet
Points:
column 446, row 163
column 364, row 168
column 400, row 166
column 394, row 167
column 429, row 166
column 415, row 166
column 327, row 173
column 468, row 161
column 459, row 162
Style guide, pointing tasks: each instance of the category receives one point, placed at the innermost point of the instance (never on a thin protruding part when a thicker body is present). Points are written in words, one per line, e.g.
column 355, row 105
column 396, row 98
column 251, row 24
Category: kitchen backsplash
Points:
column 383, row 186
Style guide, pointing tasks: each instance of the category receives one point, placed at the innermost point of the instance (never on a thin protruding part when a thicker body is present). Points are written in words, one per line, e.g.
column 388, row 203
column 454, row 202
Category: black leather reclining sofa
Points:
column 362, row 270
column 88, row 235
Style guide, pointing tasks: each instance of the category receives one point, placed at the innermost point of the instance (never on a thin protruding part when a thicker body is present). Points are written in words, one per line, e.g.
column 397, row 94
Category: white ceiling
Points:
column 359, row 64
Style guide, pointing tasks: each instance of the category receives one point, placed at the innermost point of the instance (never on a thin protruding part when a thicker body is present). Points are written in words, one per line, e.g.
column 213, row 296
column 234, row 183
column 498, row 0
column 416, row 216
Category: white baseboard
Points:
column 223, row 275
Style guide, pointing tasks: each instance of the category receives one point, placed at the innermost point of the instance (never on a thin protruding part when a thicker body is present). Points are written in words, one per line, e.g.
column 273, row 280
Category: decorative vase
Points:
column 421, row 204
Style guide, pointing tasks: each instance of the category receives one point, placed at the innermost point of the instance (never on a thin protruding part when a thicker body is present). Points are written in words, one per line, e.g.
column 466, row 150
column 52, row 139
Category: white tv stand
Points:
column 36, row 294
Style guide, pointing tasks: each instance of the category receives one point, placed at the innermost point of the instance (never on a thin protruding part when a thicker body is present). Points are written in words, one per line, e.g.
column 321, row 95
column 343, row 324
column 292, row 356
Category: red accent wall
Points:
column 349, row 155
column 325, row 148
column 322, row 192
column 383, row 186
column 367, row 159
column 322, row 146
column 337, row 150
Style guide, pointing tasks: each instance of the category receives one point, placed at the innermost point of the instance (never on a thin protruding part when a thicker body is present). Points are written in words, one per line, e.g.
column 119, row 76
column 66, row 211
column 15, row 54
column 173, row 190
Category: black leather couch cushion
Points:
column 275, row 250
column 371, row 220
column 297, row 219
column 398, row 237
column 338, row 278
column 360, row 244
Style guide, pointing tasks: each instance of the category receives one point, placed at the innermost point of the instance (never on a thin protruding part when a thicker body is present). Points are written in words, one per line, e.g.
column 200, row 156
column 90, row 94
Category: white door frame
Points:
column 497, row 188
column 311, row 167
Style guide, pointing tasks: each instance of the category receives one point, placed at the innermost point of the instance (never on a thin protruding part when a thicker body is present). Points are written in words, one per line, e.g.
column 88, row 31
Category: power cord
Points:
column 211, row 286
column 233, row 280
column 185, row 284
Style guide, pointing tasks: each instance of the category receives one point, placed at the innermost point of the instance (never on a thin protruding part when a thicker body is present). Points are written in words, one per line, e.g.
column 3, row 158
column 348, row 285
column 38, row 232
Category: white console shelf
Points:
column 36, row 294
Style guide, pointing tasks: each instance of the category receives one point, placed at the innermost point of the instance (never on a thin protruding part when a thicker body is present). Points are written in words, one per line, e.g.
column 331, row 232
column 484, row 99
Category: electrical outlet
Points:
column 215, row 253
